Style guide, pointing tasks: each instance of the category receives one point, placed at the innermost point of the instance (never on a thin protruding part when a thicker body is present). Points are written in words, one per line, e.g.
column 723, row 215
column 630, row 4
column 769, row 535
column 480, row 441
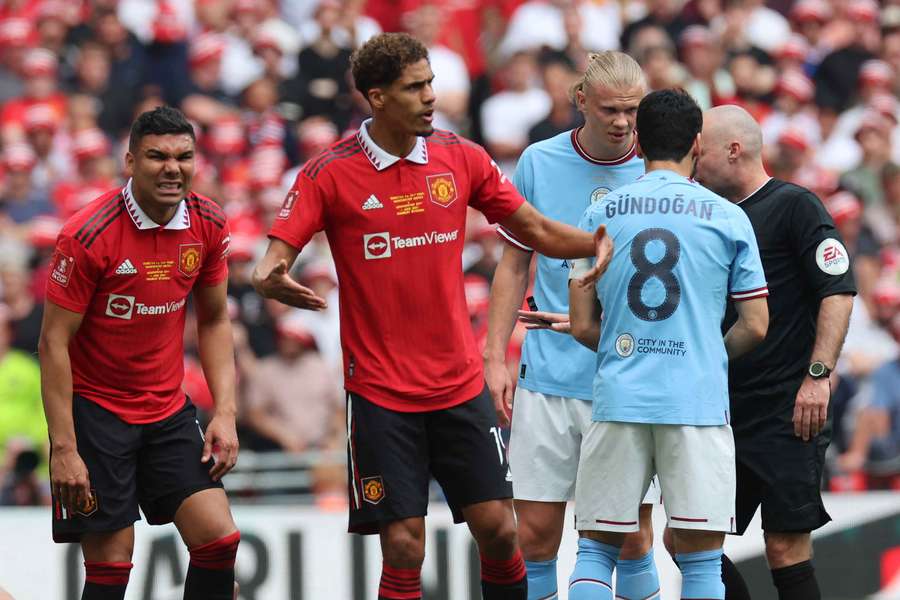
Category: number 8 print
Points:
column 662, row 270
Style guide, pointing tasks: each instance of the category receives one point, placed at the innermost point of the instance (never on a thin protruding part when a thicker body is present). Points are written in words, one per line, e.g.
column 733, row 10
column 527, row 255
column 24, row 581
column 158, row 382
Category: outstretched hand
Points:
column 279, row 285
column 538, row 319
column 603, row 246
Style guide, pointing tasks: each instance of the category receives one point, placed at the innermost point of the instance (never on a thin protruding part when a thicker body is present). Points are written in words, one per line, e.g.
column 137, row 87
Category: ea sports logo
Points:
column 377, row 245
column 831, row 257
column 120, row 307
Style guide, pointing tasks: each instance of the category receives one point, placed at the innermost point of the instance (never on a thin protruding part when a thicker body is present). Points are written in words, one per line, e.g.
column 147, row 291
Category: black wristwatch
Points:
column 818, row 370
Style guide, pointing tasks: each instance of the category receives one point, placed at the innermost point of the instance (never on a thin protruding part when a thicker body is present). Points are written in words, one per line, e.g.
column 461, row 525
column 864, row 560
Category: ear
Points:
column 637, row 145
column 695, row 147
column 129, row 164
column 734, row 151
column 580, row 100
column 376, row 98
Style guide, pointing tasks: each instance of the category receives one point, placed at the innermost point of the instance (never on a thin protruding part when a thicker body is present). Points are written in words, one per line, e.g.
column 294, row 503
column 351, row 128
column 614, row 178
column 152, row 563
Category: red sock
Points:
column 218, row 554
column 503, row 572
column 210, row 575
column 105, row 580
column 400, row 584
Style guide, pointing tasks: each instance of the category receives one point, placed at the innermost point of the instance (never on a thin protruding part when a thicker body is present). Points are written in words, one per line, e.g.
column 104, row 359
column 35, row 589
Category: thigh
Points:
column 169, row 467
column 544, row 445
column 467, row 454
column 108, row 446
column 613, row 475
column 204, row 517
column 387, row 464
column 697, row 475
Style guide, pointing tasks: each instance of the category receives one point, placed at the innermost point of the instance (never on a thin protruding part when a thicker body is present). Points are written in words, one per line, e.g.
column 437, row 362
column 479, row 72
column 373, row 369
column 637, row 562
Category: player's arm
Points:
column 750, row 328
column 271, row 278
column 507, row 291
column 68, row 474
column 584, row 314
column 216, row 347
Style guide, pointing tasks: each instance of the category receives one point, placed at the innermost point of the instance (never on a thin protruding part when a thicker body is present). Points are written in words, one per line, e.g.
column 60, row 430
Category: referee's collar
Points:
column 381, row 159
column 181, row 220
column 754, row 192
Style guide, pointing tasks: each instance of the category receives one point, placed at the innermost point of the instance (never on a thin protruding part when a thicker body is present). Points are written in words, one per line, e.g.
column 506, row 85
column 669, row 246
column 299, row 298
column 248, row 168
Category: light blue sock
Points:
column 541, row 579
column 637, row 579
column 592, row 577
column 701, row 574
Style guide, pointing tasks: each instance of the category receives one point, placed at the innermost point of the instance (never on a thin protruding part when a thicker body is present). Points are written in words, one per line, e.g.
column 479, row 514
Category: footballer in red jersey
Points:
column 392, row 201
column 123, row 435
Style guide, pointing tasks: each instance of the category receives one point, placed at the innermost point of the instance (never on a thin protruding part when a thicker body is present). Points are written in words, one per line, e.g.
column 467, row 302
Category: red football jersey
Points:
column 396, row 228
column 130, row 278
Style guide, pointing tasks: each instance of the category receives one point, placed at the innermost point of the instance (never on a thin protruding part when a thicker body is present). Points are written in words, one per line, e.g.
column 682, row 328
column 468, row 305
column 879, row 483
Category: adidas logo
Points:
column 126, row 268
column 372, row 203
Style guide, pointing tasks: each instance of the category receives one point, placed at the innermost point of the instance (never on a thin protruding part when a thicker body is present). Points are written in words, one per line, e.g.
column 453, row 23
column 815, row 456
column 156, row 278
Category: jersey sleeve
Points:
column 215, row 264
column 589, row 221
column 818, row 245
column 491, row 192
column 523, row 180
column 747, row 279
column 73, row 275
column 302, row 214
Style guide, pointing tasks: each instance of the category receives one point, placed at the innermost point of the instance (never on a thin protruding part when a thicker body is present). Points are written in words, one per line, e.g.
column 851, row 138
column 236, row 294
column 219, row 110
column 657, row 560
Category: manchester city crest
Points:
column 625, row 345
column 598, row 194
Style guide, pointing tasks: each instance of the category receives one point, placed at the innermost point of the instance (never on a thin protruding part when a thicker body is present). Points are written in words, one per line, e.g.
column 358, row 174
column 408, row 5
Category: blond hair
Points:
column 609, row 69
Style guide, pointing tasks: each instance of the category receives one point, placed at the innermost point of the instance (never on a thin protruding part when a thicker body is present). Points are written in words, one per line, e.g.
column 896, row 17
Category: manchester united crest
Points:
column 442, row 189
column 189, row 259
column 373, row 489
column 89, row 506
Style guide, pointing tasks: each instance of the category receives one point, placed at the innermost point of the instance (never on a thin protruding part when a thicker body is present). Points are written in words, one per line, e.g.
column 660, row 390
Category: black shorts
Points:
column 156, row 466
column 775, row 468
column 392, row 455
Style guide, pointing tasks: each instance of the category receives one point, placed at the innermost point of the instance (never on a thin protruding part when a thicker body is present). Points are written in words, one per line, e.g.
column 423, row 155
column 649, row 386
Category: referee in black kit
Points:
column 780, row 391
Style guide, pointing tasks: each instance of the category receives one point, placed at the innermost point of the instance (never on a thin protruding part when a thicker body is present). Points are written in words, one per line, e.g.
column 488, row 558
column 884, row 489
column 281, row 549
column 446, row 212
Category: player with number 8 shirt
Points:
column 661, row 387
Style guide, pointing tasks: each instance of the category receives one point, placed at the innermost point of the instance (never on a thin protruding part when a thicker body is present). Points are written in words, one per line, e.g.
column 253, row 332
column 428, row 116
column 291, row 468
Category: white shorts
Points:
column 696, row 473
column 545, row 446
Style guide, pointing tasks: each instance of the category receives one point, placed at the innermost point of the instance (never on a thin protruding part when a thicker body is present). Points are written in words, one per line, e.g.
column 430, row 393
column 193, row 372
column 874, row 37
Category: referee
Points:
column 780, row 390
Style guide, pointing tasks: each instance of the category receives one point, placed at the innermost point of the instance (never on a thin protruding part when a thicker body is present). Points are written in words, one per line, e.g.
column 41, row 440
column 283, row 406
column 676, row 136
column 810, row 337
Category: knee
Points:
column 784, row 550
column 216, row 554
column 638, row 544
column 539, row 541
column 403, row 547
column 499, row 539
column 669, row 542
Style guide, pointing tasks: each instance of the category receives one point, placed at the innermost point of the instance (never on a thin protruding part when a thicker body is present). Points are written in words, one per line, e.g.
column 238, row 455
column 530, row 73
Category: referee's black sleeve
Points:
column 825, row 261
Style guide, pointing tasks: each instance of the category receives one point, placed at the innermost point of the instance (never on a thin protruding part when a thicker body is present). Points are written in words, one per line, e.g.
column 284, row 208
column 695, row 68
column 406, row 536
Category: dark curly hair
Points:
column 381, row 60
column 162, row 120
column 668, row 122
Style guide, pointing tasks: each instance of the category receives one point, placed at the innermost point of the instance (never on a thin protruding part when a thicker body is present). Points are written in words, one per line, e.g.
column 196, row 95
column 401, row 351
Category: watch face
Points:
column 817, row 369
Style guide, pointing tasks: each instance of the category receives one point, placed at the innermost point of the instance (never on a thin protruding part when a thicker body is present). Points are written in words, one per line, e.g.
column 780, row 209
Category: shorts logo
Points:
column 288, row 204
column 377, row 245
column 120, row 307
column 189, row 259
column 373, row 489
column 442, row 189
column 832, row 257
column 625, row 345
column 89, row 506
column 62, row 267
column 598, row 194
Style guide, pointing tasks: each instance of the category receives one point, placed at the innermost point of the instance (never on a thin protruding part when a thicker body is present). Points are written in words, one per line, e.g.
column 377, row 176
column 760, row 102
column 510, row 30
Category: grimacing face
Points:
column 409, row 101
column 162, row 168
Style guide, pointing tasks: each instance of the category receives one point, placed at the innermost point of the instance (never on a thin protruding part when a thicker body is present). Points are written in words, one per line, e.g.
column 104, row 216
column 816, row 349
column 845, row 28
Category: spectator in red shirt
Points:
column 122, row 432
column 392, row 200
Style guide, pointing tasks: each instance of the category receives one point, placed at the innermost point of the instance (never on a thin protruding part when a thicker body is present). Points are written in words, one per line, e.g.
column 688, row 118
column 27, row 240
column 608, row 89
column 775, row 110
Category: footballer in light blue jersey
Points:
column 560, row 179
column 679, row 250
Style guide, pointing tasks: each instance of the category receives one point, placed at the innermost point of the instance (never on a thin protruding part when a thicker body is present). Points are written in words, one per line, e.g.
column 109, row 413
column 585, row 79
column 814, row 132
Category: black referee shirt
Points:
column 805, row 260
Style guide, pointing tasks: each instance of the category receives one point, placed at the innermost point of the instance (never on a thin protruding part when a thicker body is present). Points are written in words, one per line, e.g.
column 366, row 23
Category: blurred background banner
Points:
column 289, row 553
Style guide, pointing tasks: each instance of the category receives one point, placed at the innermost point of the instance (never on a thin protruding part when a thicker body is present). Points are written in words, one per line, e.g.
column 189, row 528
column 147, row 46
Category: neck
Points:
column 592, row 142
column 398, row 143
column 747, row 181
column 684, row 167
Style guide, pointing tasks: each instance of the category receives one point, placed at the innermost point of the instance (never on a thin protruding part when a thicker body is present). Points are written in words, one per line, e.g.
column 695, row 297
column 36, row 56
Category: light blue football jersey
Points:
column 561, row 180
column 680, row 250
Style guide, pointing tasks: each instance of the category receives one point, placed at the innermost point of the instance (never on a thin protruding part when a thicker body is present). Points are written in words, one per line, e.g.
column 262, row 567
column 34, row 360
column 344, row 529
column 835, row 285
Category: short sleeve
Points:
column 491, row 191
column 589, row 221
column 215, row 264
column 523, row 181
column 73, row 275
column 747, row 279
column 824, row 259
column 302, row 213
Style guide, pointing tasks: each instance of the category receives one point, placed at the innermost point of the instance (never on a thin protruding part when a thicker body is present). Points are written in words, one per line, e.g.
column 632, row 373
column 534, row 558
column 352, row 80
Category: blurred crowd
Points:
column 266, row 84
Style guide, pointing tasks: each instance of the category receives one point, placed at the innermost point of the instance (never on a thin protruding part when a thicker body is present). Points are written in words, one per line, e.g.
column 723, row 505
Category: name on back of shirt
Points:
column 640, row 205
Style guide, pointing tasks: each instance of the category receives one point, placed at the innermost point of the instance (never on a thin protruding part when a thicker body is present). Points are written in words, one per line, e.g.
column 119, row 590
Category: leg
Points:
column 208, row 530
column 789, row 556
column 598, row 553
column 493, row 525
column 107, row 563
column 699, row 556
column 540, row 533
column 636, row 576
column 402, row 550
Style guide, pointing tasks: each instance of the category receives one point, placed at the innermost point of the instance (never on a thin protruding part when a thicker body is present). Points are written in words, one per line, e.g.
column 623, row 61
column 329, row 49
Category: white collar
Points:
column 181, row 220
column 380, row 159
column 756, row 190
